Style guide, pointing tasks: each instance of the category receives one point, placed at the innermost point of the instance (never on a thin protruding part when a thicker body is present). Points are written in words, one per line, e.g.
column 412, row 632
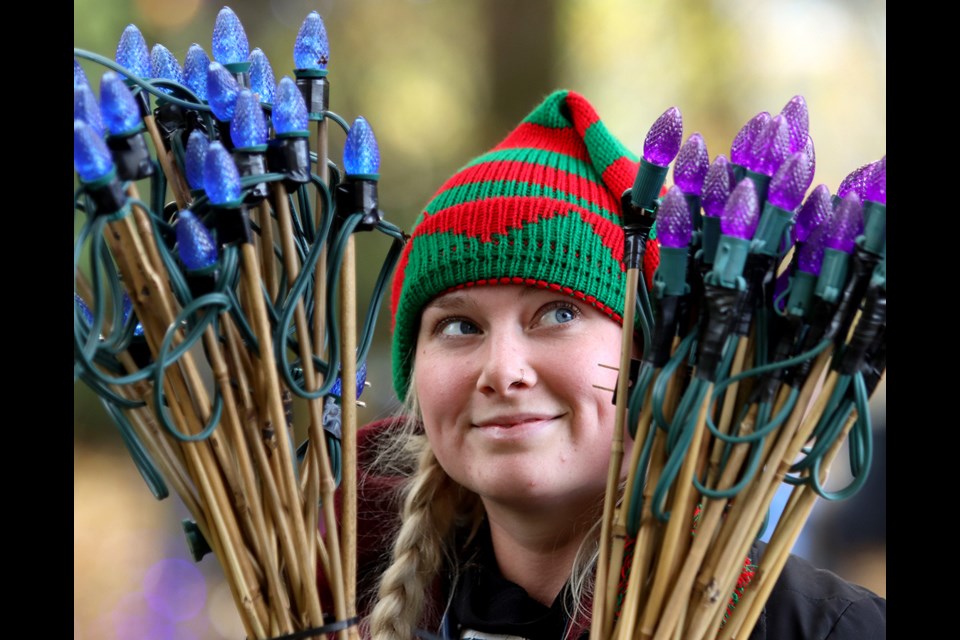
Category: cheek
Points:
column 442, row 385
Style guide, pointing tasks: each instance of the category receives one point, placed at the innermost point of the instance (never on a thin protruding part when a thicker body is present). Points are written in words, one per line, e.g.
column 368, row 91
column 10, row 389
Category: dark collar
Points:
column 484, row 600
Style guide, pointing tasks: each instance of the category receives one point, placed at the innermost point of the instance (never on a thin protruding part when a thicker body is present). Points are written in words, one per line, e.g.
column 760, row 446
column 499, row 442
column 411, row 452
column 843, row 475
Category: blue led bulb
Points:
column 127, row 310
column 197, row 146
column 221, row 180
column 132, row 52
column 248, row 127
column 289, row 109
column 87, row 315
column 120, row 111
column 195, row 244
column 195, row 70
column 165, row 65
column 361, row 155
column 79, row 77
column 337, row 388
column 229, row 39
column 222, row 91
column 311, row 50
column 262, row 80
column 91, row 158
column 85, row 107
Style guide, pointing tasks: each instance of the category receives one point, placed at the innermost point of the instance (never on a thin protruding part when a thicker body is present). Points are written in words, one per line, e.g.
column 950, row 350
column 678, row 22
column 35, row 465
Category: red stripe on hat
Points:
column 565, row 181
column 497, row 216
column 582, row 111
column 620, row 174
column 529, row 135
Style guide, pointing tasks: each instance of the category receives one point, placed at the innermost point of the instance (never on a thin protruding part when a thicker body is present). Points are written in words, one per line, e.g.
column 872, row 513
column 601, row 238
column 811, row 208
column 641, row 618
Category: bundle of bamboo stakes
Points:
column 742, row 387
column 198, row 368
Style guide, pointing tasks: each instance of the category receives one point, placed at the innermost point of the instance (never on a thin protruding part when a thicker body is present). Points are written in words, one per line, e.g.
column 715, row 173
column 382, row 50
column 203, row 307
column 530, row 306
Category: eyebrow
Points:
column 451, row 300
column 455, row 299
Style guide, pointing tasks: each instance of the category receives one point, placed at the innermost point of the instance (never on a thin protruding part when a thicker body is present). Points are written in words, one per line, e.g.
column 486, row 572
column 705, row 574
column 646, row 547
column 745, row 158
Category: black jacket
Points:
column 806, row 603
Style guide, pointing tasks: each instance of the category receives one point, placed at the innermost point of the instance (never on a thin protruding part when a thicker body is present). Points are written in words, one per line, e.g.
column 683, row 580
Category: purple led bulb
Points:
column 663, row 140
column 742, row 212
column 797, row 117
column 674, row 227
column 845, row 225
column 692, row 164
column 854, row 182
column 811, row 153
column 814, row 213
column 771, row 148
column 740, row 147
column 876, row 184
column 790, row 182
column 716, row 187
column 810, row 258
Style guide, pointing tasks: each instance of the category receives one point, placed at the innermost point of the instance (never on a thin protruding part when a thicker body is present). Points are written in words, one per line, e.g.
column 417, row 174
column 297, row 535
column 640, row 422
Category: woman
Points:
column 480, row 506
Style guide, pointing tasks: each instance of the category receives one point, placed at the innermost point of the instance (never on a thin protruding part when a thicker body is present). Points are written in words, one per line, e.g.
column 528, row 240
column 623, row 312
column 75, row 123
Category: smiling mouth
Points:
column 514, row 421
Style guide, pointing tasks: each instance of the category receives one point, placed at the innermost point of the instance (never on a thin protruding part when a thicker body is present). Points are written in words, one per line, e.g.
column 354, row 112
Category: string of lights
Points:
column 198, row 319
column 765, row 341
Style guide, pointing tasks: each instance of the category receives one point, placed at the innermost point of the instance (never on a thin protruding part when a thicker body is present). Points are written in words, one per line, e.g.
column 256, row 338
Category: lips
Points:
column 516, row 420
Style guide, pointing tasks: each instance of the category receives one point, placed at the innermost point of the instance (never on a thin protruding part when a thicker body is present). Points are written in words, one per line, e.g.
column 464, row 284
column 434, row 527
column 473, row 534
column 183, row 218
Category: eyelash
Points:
column 559, row 304
column 446, row 322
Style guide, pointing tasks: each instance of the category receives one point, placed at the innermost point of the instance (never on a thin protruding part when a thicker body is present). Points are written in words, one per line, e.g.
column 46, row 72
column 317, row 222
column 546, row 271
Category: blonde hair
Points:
column 434, row 508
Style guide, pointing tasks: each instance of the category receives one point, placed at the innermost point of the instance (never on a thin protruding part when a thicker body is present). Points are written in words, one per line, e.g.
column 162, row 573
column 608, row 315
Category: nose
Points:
column 507, row 366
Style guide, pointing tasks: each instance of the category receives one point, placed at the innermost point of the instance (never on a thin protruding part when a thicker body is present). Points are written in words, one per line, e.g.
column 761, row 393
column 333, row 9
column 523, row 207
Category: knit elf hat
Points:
column 542, row 208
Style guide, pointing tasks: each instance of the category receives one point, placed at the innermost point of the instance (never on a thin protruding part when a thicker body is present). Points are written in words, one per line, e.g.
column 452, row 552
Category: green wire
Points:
column 863, row 428
column 149, row 87
column 637, row 395
column 214, row 300
column 141, row 459
column 671, row 469
column 660, row 386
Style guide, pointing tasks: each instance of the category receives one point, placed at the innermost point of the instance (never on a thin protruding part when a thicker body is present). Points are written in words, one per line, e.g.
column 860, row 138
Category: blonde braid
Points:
column 418, row 552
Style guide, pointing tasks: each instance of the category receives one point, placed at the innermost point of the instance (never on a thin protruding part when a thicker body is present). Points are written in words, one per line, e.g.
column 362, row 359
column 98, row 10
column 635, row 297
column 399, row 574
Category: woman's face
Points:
column 505, row 379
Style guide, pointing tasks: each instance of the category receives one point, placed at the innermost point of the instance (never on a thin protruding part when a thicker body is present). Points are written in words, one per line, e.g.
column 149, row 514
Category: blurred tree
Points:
column 522, row 51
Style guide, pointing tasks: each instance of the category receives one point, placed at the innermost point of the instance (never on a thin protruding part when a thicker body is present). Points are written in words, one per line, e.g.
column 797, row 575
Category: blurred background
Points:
column 441, row 81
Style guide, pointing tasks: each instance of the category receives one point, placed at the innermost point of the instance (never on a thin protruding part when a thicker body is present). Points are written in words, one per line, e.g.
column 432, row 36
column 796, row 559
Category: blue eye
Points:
column 458, row 327
column 560, row 313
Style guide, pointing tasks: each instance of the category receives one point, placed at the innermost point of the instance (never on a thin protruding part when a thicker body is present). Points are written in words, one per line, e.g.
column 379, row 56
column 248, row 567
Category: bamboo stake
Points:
column 246, row 497
column 266, row 245
column 729, row 402
column 775, row 557
column 630, row 605
column 181, row 193
column 602, row 623
column 147, row 284
column 282, row 207
column 748, row 511
column 268, row 485
column 348, row 386
column 710, row 517
column 306, row 594
column 677, row 531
